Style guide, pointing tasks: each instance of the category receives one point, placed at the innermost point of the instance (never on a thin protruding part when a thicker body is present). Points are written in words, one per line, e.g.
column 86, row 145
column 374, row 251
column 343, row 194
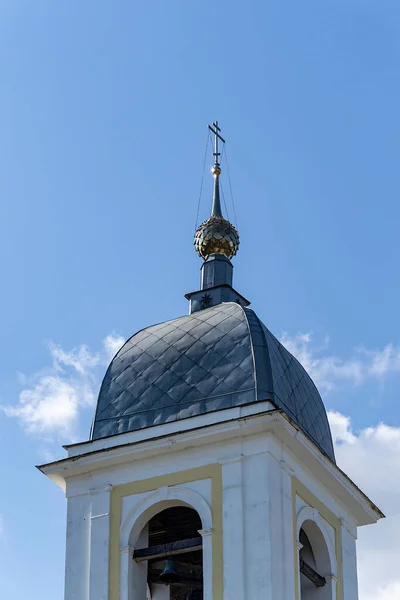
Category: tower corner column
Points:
column 77, row 551
column 349, row 562
column 99, row 542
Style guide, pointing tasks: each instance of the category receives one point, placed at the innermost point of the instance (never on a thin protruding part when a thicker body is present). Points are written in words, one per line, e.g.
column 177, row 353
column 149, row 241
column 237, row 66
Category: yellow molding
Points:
column 299, row 489
column 118, row 492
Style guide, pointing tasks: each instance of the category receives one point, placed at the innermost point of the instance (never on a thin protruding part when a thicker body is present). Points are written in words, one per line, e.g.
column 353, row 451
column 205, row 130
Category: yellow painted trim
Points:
column 299, row 489
column 213, row 472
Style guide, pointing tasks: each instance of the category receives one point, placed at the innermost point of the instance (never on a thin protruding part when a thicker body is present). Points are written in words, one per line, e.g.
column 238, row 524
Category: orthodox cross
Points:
column 215, row 130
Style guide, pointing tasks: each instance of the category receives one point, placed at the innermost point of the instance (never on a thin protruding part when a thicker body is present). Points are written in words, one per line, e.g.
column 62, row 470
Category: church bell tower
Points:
column 210, row 472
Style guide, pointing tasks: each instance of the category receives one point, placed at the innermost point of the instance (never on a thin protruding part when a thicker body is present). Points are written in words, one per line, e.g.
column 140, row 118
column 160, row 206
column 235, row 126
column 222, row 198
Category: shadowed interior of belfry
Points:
column 173, row 557
column 314, row 563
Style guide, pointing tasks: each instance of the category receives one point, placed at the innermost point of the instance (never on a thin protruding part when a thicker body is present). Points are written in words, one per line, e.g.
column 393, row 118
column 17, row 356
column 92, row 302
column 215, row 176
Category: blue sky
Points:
column 103, row 113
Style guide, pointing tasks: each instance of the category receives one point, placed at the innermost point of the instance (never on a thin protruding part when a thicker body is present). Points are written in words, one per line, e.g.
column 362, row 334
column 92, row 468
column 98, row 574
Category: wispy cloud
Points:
column 80, row 359
column 328, row 370
column 385, row 361
column 51, row 401
column 112, row 343
column 371, row 457
column 341, row 428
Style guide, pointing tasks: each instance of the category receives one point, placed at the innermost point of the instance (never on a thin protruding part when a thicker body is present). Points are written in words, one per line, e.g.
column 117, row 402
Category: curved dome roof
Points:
column 213, row 359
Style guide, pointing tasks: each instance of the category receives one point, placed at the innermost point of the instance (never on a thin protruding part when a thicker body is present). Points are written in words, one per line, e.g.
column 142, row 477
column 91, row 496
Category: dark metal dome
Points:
column 213, row 359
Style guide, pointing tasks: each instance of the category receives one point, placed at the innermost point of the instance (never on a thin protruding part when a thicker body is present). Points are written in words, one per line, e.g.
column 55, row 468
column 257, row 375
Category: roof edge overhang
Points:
column 274, row 421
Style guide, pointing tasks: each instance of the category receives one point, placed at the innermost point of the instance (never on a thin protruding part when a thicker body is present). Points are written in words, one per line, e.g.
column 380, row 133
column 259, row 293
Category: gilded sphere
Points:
column 216, row 236
column 216, row 170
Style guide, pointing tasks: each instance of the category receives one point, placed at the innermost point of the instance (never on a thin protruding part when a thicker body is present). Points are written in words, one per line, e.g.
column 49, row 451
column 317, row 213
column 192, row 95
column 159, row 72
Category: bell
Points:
column 170, row 574
column 194, row 595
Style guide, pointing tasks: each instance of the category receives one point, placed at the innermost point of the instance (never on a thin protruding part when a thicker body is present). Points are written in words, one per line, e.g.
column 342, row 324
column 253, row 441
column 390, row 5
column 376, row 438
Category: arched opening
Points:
column 314, row 563
column 168, row 557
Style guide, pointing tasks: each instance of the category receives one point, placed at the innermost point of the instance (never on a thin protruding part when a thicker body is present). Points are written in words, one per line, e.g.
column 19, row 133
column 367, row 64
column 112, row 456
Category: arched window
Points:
column 168, row 557
column 314, row 564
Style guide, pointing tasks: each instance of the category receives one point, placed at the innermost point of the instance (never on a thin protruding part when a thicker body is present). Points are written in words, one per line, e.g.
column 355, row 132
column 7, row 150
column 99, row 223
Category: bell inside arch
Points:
column 170, row 573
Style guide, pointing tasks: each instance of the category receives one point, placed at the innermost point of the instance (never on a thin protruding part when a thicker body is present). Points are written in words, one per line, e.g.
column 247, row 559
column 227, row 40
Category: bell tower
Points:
column 210, row 472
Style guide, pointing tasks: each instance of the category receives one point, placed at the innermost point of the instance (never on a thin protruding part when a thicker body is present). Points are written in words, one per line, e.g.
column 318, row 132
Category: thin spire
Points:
column 216, row 170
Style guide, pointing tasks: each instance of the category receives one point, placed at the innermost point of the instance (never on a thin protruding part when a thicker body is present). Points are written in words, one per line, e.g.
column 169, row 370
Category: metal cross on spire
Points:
column 215, row 130
column 216, row 170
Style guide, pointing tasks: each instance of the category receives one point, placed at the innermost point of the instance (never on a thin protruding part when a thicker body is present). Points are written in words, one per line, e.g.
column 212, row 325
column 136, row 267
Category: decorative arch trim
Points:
column 318, row 508
column 157, row 501
column 307, row 513
column 161, row 485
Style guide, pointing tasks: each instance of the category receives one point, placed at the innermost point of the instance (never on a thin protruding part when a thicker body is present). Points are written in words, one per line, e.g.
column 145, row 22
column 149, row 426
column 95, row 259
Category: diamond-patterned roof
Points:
column 213, row 359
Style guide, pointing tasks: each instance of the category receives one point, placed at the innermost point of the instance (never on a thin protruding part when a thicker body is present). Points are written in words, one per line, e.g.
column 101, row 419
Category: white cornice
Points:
column 147, row 433
column 273, row 422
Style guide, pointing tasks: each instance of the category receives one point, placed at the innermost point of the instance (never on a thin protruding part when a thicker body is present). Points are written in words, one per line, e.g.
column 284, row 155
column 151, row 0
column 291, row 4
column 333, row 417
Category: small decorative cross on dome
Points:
column 215, row 130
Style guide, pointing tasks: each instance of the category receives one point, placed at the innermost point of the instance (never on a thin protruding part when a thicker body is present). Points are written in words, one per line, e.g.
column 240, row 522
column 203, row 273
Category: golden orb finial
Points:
column 216, row 236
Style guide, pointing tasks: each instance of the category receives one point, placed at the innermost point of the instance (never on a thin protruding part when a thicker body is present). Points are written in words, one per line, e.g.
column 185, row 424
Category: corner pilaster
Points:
column 99, row 542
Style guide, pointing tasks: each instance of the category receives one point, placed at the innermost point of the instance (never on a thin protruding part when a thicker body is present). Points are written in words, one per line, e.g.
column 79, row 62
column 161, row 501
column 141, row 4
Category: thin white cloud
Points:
column 51, row 404
column 385, row 361
column 371, row 457
column 112, row 343
column 51, row 401
column 341, row 428
column 329, row 370
column 389, row 591
column 80, row 359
